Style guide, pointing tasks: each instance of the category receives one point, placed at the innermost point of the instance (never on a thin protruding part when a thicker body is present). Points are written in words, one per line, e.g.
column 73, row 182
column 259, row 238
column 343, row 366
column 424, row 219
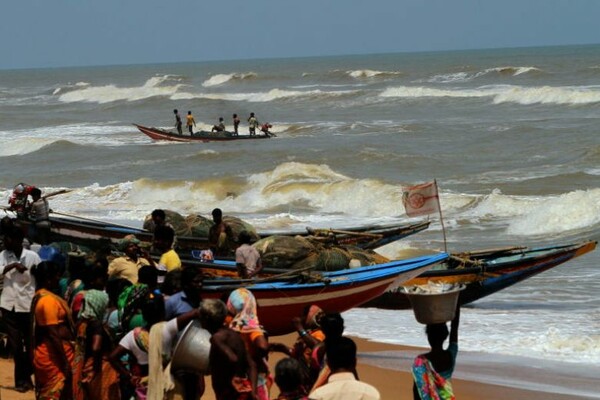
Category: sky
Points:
column 57, row 33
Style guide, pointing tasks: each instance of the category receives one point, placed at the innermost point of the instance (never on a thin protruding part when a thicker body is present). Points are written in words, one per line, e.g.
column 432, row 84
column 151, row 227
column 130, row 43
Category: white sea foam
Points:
column 552, row 335
column 220, row 79
column 368, row 73
column 263, row 97
column 164, row 85
column 419, row 92
column 464, row 76
column 24, row 141
column 567, row 212
column 505, row 94
column 306, row 190
column 549, row 95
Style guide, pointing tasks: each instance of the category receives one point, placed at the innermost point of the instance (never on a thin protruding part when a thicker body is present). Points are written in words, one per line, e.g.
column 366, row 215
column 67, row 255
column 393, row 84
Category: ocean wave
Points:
column 25, row 141
column 465, row 76
column 549, row 95
column 368, row 73
column 220, row 79
column 542, row 334
column 571, row 95
column 571, row 211
column 422, row 92
column 157, row 86
column 264, row 97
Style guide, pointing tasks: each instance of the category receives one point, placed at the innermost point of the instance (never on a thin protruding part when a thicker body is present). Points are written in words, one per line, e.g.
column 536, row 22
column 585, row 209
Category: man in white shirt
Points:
column 247, row 258
column 15, row 303
column 342, row 384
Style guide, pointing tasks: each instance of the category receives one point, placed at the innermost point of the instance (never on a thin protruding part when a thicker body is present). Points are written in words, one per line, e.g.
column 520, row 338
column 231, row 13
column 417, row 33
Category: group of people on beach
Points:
column 253, row 124
column 105, row 328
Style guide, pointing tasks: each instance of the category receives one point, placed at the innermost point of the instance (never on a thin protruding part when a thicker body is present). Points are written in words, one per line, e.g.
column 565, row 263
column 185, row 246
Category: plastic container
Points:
column 192, row 350
column 434, row 308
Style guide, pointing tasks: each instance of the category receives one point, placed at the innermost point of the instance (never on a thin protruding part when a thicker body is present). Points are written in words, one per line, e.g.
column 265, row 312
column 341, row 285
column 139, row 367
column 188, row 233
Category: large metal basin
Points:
column 192, row 350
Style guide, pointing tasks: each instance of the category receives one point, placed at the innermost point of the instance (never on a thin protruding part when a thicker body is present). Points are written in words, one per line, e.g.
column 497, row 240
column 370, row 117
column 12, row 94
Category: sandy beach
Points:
column 391, row 383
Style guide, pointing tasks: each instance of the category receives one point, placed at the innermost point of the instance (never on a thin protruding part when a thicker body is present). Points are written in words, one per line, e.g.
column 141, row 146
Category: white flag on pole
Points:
column 421, row 199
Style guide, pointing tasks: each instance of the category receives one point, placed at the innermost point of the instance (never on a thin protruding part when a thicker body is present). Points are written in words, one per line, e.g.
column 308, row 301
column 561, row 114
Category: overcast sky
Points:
column 52, row 33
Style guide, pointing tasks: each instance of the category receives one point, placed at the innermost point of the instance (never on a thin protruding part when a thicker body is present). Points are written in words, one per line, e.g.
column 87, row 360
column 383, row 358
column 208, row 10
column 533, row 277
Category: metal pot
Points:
column 192, row 350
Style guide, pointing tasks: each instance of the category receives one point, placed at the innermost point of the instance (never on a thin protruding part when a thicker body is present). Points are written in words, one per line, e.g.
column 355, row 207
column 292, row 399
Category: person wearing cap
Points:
column 127, row 266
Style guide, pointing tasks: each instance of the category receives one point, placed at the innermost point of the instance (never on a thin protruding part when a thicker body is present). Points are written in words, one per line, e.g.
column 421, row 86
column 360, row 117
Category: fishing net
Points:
column 196, row 225
column 283, row 251
column 176, row 220
column 305, row 253
column 237, row 226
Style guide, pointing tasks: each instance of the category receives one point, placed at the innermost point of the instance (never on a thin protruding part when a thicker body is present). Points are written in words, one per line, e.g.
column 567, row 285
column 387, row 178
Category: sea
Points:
column 512, row 137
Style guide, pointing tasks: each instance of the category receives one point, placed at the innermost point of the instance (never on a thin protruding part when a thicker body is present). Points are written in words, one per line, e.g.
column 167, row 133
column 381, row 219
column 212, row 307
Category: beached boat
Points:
column 280, row 298
column 95, row 233
column 200, row 136
column 486, row 272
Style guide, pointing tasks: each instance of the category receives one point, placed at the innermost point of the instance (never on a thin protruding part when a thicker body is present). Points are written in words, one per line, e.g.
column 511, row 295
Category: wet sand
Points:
column 385, row 366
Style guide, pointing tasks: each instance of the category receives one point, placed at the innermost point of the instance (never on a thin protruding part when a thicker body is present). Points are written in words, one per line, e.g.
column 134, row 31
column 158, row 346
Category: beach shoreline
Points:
column 391, row 382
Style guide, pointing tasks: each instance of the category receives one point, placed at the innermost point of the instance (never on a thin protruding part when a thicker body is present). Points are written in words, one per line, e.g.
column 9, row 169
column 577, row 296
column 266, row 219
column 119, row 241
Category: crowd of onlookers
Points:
column 107, row 330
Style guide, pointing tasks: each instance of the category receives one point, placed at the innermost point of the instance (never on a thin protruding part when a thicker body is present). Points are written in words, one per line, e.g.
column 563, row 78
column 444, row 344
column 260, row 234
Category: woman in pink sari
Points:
column 432, row 371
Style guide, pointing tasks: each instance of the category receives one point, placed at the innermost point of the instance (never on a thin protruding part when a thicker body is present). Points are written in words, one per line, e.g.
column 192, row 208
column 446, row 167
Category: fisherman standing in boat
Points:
column 236, row 124
column 219, row 234
column 178, row 121
column 18, row 201
column 252, row 124
column 247, row 258
column 190, row 121
column 40, row 218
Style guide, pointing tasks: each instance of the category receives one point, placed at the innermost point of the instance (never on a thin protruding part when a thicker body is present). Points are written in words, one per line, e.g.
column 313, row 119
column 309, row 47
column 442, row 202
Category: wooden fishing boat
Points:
column 487, row 272
column 95, row 233
column 280, row 298
column 200, row 136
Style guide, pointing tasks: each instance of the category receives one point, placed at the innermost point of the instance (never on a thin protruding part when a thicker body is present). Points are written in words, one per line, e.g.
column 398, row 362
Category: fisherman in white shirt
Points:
column 15, row 303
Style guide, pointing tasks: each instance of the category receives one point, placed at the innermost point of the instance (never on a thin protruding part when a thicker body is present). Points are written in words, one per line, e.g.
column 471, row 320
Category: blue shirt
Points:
column 176, row 305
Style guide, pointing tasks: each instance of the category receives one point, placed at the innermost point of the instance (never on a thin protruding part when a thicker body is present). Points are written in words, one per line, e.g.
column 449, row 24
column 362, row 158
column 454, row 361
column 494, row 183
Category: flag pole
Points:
column 441, row 216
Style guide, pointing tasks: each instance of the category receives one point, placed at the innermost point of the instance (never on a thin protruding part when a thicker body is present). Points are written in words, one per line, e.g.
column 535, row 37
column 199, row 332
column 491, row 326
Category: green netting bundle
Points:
column 283, row 251
column 198, row 225
column 335, row 258
column 175, row 219
column 237, row 226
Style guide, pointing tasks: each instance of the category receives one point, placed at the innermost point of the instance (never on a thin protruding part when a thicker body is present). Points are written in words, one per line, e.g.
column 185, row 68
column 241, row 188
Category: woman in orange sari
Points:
column 52, row 345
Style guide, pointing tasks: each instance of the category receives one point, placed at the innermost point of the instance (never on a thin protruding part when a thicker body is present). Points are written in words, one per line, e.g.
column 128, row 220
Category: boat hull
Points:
column 97, row 234
column 493, row 275
column 200, row 137
column 281, row 300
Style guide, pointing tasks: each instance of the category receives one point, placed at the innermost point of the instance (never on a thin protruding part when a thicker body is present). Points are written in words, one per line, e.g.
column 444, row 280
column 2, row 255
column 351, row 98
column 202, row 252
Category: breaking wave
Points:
column 263, row 97
column 299, row 190
column 164, row 85
column 220, row 79
column 465, row 76
column 368, row 73
column 505, row 94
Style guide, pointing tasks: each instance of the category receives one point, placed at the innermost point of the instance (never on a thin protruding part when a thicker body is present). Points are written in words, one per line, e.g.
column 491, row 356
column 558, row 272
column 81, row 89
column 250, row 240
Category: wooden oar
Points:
column 63, row 191
column 340, row 232
column 98, row 221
